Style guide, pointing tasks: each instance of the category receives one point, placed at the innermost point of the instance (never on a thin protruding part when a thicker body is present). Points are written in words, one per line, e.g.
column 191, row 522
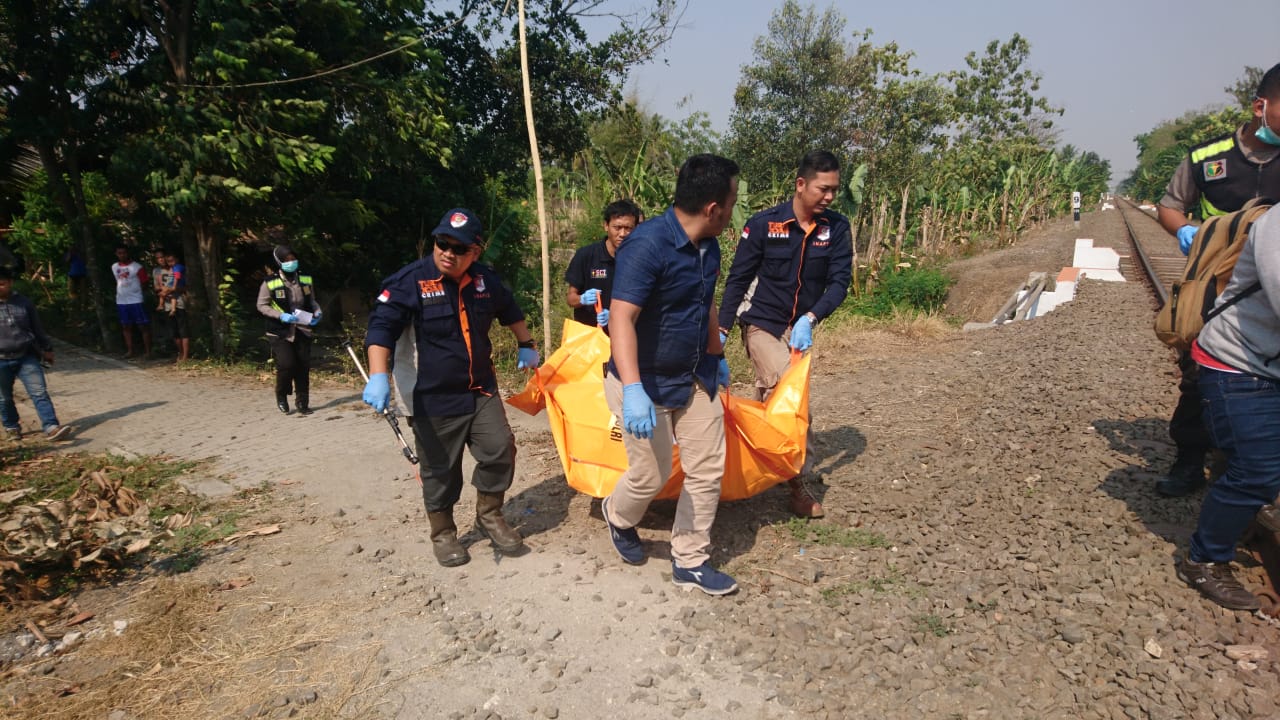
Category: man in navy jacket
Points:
column 791, row 270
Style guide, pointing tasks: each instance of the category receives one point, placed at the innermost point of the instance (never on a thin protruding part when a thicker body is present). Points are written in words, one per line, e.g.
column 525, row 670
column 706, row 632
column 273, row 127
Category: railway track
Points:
column 1158, row 260
column 1155, row 252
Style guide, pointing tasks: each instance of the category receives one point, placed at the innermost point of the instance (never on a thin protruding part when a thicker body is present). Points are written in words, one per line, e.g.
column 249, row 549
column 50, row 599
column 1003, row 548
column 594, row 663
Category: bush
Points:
column 919, row 289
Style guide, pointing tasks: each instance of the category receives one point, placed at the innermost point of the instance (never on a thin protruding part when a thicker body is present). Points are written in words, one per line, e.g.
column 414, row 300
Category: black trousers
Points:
column 440, row 441
column 1186, row 427
column 293, row 364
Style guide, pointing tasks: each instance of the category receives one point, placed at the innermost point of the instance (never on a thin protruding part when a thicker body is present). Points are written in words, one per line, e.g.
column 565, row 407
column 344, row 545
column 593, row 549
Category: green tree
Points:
column 235, row 99
column 349, row 125
column 1162, row 148
column 809, row 87
column 1245, row 89
column 996, row 96
column 57, row 56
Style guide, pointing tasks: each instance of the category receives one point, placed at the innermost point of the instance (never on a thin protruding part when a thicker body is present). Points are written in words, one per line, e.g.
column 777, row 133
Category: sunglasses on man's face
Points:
column 455, row 248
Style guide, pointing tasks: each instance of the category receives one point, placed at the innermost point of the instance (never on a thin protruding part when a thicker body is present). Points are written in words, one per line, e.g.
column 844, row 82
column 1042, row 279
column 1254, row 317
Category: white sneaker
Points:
column 57, row 432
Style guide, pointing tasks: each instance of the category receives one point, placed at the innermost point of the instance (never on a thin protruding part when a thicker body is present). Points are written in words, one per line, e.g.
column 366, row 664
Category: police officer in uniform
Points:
column 590, row 272
column 280, row 298
column 450, row 301
column 791, row 270
column 1216, row 177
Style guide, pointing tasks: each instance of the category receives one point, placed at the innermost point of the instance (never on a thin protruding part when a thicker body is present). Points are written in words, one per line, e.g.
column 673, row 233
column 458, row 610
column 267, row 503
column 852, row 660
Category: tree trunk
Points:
column 902, row 226
column 69, row 192
column 198, row 301
column 855, row 231
column 210, row 254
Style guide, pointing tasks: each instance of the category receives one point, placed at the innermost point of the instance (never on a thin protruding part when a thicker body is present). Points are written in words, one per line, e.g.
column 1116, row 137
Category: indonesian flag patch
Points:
column 385, row 296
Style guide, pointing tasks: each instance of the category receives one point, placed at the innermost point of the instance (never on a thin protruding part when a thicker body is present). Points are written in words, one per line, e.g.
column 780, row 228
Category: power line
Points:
column 288, row 81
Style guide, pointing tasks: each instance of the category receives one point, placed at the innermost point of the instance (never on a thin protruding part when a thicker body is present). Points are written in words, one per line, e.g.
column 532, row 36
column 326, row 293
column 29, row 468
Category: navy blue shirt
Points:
column 592, row 267
column 799, row 272
column 673, row 281
column 452, row 366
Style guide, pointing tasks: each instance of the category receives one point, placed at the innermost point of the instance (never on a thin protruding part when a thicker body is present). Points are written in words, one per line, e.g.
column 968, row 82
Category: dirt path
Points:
column 355, row 541
column 993, row 547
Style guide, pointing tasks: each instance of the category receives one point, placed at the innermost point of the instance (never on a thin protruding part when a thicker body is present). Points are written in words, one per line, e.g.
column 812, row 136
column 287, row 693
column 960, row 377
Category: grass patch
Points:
column 909, row 288
column 56, row 476
column 931, row 625
column 893, row 583
column 825, row 534
column 903, row 322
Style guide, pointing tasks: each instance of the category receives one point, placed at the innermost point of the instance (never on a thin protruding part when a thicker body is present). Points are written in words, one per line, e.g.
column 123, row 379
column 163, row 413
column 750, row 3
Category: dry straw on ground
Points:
column 186, row 654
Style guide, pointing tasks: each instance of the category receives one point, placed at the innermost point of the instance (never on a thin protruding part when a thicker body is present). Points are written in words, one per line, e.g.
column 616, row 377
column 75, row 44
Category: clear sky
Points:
column 1117, row 68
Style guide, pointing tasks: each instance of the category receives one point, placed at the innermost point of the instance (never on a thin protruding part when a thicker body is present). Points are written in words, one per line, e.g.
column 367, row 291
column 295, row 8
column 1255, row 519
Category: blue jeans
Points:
column 28, row 370
column 1242, row 415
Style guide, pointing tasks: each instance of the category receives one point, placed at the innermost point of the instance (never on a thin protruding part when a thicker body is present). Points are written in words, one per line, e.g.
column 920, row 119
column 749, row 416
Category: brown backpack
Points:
column 1212, row 258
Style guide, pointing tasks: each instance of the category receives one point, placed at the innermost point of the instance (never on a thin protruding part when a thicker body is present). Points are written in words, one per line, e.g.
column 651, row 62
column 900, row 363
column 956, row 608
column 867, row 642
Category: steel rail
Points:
column 1144, row 260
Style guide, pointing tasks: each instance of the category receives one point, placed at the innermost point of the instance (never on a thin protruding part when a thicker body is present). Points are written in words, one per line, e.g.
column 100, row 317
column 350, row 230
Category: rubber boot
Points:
column 491, row 523
column 282, row 403
column 1185, row 477
column 803, row 503
column 303, row 403
column 444, row 539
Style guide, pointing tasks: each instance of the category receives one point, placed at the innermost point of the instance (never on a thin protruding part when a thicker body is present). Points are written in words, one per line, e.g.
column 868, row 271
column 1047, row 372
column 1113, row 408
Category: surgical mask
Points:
column 289, row 266
column 1265, row 133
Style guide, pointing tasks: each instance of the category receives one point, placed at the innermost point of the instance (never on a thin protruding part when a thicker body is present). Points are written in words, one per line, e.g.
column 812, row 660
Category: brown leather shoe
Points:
column 1217, row 582
column 1269, row 518
column 803, row 503
column 494, row 526
column 444, row 540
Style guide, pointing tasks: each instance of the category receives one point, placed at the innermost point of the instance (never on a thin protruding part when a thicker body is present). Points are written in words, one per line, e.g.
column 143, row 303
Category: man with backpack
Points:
column 1238, row 354
column 1217, row 177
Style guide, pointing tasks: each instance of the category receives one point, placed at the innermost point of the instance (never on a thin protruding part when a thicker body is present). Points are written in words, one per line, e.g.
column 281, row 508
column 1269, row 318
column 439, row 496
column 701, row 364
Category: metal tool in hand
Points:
column 389, row 414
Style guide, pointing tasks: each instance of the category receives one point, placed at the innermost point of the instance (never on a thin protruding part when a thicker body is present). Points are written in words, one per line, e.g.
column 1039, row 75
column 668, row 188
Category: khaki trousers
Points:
column 770, row 357
column 698, row 429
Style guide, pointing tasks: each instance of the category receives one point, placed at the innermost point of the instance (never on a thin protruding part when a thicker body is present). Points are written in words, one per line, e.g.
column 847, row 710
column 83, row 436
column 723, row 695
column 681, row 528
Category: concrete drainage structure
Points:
column 1034, row 298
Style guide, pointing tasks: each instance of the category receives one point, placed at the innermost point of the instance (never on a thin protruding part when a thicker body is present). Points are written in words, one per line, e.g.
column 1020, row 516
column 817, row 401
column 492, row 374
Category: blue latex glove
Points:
column 724, row 339
column 722, row 373
column 602, row 318
column 527, row 359
column 590, row 297
column 638, row 415
column 1186, row 234
column 315, row 320
column 377, row 393
column 288, row 318
column 802, row 334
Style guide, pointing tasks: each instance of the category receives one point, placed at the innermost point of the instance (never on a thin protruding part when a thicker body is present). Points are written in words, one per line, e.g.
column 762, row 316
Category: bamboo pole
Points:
column 902, row 226
column 537, row 184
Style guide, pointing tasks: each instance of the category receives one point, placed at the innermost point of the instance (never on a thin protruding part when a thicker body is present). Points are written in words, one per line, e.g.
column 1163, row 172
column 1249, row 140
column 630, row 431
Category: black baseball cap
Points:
column 460, row 224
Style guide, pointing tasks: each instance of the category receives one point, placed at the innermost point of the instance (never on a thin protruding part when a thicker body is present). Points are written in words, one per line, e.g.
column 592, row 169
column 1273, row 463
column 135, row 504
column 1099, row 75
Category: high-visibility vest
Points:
column 1227, row 179
column 280, row 299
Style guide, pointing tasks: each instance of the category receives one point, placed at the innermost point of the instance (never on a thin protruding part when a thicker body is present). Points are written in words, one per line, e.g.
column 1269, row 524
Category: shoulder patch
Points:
column 1215, row 169
column 385, row 296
